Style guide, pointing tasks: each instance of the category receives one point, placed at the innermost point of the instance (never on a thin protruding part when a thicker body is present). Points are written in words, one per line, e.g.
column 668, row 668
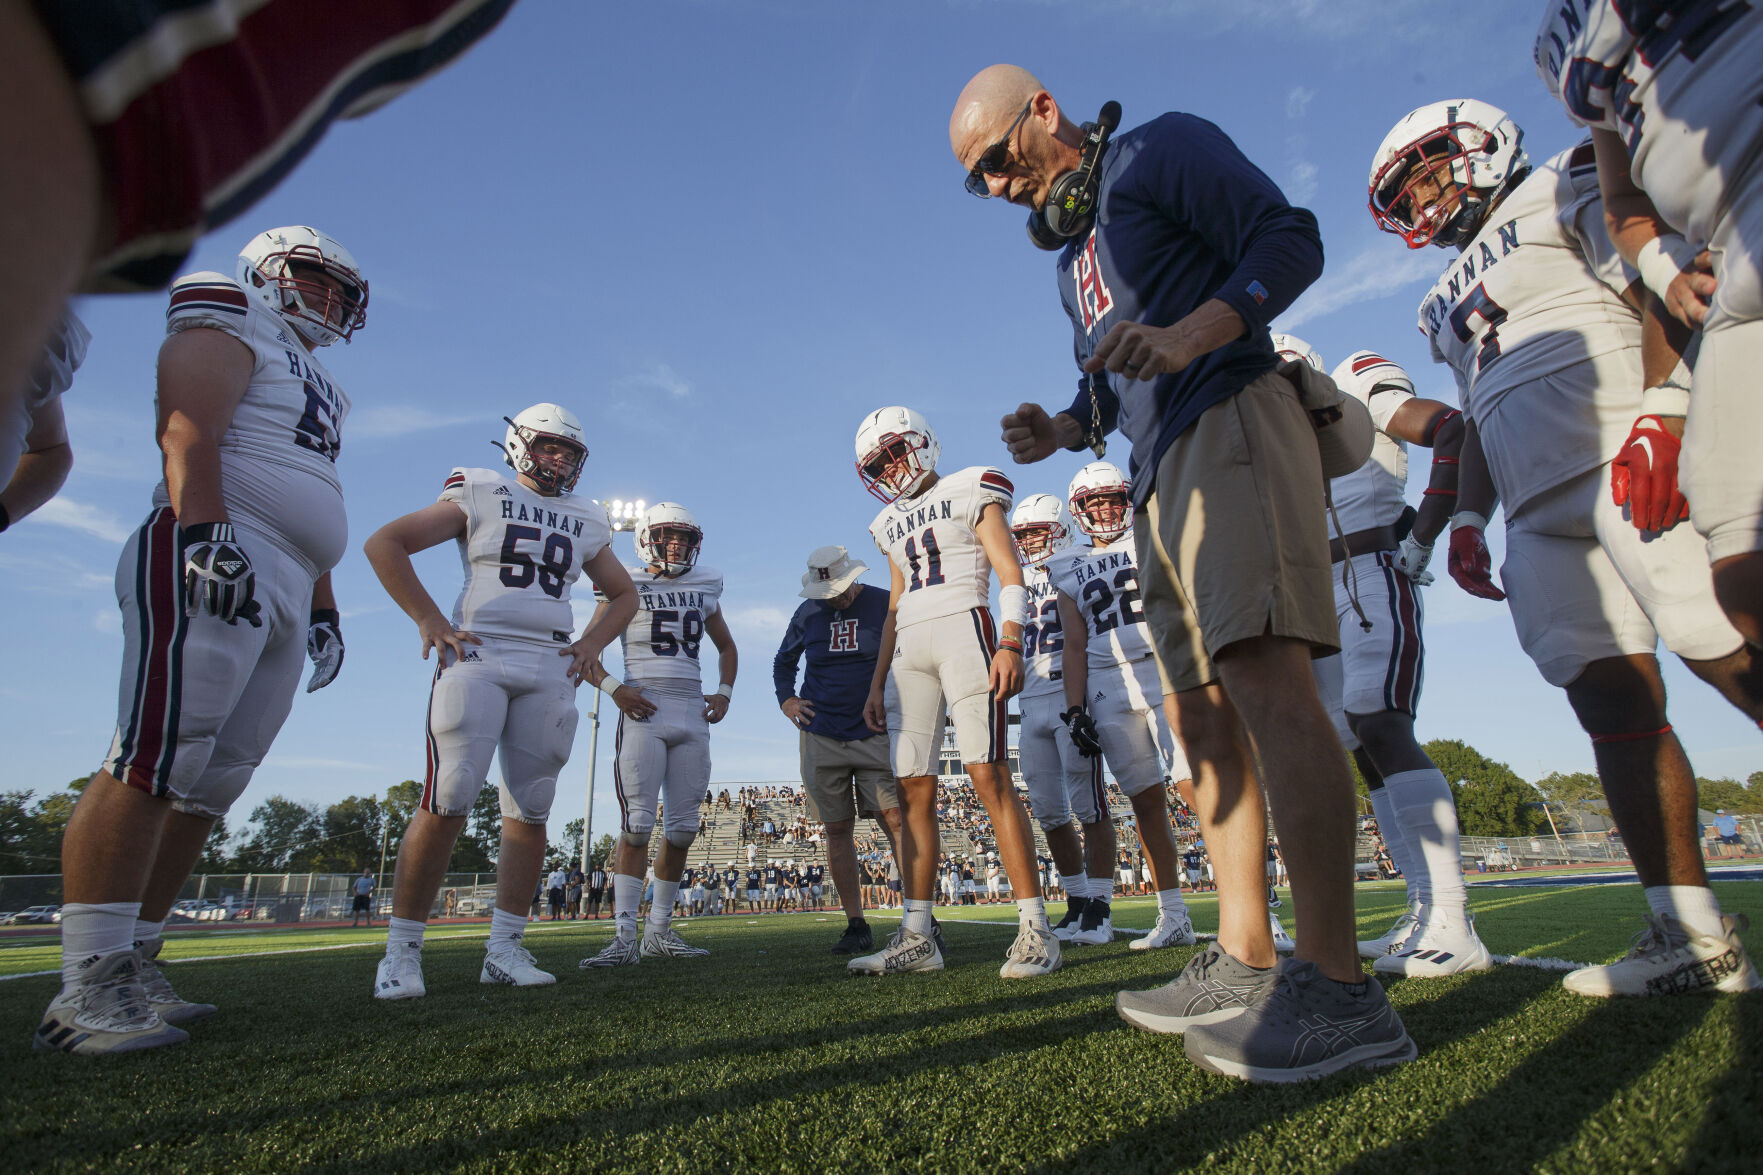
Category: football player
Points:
column 942, row 654
column 505, row 676
column 1538, row 319
column 224, row 590
column 34, row 431
column 1674, row 99
column 1380, row 550
column 1064, row 787
column 1114, row 696
column 663, row 741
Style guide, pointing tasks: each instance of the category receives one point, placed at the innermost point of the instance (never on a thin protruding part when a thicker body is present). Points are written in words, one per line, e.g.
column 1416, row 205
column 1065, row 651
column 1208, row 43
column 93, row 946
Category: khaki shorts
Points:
column 831, row 766
column 1231, row 543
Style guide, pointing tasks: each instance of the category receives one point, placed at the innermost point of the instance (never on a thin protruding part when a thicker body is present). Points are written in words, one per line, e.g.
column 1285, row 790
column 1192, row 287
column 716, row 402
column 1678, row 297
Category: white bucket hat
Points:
column 830, row 571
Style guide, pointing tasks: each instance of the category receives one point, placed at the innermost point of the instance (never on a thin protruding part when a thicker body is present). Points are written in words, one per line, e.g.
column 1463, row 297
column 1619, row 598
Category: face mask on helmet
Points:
column 309, row 279
column 1441, row 169
column 896, row 453
column 1038, row 529
column 669, row 538
column 1101, row 503
column 545, row 444
column 1292, row 347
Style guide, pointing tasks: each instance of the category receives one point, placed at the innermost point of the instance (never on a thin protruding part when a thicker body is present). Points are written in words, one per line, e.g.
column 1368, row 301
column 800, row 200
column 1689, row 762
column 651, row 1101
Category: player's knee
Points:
column 681, row 838
column 1386, row 736
column 840, row 828
column 1618, row 696
column 531, row 805
column 1054, row 823
column 636, row 838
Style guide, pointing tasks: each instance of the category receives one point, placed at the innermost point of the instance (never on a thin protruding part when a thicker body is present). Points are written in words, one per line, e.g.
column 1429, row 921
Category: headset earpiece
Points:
column 1071, row 202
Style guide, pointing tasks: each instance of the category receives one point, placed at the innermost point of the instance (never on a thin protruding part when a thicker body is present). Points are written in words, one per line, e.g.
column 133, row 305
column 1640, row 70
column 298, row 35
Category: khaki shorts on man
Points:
column 1229, row 542
column 833, row 770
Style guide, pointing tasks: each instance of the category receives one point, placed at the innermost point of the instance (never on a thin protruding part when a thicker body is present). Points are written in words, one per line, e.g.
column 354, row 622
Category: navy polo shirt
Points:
column 841, row 649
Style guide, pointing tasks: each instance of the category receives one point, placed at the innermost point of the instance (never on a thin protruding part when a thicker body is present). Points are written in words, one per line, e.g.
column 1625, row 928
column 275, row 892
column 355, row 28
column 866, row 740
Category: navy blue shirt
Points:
column 1182, row 217
column 841, row 648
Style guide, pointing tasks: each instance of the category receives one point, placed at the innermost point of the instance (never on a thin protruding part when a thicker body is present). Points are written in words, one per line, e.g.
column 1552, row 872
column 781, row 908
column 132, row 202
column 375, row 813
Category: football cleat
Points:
column 1074, row 916
column 516, row 967
column 1214, row 986
column 1667, row 958
column 1371, row 948
column 1282, row 942
column 620, row 952
column 857, row 938
column 400, row 975
column 907, row 950
column 1034, row 953
column 936, row 934
column 1097, row 927
column 1176, row 930
column 107, row 1011
column 1440, row 944
column 172, row 1008
column 668, row 944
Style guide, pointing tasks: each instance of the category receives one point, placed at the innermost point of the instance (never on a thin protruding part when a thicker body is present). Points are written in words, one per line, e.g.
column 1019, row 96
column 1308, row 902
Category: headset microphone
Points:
column 1071, row 202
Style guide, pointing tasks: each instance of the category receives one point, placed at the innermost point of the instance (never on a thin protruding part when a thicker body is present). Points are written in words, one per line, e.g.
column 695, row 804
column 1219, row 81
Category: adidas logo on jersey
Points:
column 504, row 492
column 470, row 655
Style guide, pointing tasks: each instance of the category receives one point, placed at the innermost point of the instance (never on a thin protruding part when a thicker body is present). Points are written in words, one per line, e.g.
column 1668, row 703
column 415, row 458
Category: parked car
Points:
column 195, row 910
column 36, row 914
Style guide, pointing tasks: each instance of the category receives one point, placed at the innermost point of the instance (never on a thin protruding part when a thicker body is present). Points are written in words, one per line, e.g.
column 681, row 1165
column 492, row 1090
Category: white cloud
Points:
column 300, row 762
column 380, row 421
column 107, row 620
column 658, row 377
column 1300, row 185
column 86, row 519
column 1381, row 269
column 759, row 618
column 1298, row 101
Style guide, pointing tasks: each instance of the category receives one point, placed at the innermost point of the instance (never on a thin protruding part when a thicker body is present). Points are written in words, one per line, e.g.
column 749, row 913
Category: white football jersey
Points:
column 1104, row 581
column 1043, row 637
column 1537, row 294
column 521, row 551
column 663, row 640
column 932, row 540
column 278, row 457
column 1682, row 85
column 1372, row 494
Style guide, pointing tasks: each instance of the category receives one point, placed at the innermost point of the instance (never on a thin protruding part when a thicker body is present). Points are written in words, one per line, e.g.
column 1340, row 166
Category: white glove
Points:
column 1411, row 559
column 324, row 644
column 217, row 575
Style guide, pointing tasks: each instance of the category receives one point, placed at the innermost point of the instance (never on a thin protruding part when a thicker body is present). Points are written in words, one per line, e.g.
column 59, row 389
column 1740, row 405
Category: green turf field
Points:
column 766, row 1056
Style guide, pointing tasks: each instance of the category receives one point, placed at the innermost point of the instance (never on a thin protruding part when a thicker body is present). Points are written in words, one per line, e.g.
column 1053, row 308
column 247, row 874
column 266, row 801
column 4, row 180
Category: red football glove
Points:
column 1644, row 476
column 1471, row 565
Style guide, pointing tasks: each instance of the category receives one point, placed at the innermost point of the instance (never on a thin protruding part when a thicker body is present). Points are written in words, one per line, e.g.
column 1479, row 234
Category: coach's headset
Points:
column 1071, row 203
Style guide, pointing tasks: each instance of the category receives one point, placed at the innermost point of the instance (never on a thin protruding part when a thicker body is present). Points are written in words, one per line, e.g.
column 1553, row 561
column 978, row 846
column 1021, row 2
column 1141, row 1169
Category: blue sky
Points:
column 722, row 232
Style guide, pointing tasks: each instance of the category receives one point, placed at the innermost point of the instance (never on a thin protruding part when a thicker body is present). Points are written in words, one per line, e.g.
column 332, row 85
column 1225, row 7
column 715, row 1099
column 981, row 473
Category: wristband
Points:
column 726, row 689
column 1010, row 647
column 1662, row 259
column 1468, row 518
column 609, row 684
column 1437, row 492
column 325, row 616
column 1665, row 400
column 1013, row 604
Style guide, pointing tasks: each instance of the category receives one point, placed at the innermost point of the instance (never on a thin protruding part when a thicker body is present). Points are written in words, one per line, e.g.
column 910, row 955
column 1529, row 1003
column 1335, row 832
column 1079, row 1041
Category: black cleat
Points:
column 1074, row 916
column 857, row 938
column 936, row 934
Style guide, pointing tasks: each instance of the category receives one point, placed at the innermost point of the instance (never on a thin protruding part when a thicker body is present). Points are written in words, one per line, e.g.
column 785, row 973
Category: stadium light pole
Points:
column 1559, row 843
column 623, row 515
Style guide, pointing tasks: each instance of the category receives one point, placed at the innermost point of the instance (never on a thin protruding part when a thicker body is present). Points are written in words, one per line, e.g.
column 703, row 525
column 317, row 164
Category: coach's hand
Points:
column 438, row 633
column 217, row 575
column 800, row 711
column 324, row 644
column 1470, row 563
column 1644, row 475
column 1005, row 680
column 1031, row 435
column 1083, row 731
column 875, row 712
column 1138, row 351
column 631, row 703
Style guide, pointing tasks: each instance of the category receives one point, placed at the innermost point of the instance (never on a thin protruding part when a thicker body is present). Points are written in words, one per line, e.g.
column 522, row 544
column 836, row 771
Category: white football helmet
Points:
column 545, row 422
column 1475, row 146
column 267, row 268
column 663, row 525
column 1100, row 499
column 1040, row 527
column 896, row 453
column 1292, row 347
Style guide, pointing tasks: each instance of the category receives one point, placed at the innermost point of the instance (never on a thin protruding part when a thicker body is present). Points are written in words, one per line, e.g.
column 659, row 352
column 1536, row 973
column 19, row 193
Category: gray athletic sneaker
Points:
column 172, row 1008
column 1306, row 1026
column 1213, row 986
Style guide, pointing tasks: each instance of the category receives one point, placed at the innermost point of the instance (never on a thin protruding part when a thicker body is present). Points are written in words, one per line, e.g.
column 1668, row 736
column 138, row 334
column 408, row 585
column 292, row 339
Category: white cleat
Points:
column 1034, row 953
column 107, row 1011
column 1093, row 932
column 1174, row 931
column 1282, row 942
column 172, row 1008
column 1440, row 944
column 1667, row 958
column 1371, row 948
column 400, row 975
column 515, row 967
column 906, row 951
column 620, row 952
column 668, row 944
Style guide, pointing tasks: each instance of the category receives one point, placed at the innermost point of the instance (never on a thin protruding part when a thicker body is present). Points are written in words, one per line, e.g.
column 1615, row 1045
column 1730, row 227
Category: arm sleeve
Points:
column 789, row 655
column 1196, row 175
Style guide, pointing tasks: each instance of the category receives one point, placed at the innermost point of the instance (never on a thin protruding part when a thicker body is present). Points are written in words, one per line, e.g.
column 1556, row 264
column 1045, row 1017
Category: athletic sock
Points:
column 405, row 932
column 92, row 930
column 146, row 932
column 1694, row 907
column 1032, row 912
column 506, row 930
column 1102, row 889
column 661, row 907
column 627, row 895
column 918, row 914
column 1383, row 806
column 1075, row 885
column 1428, row 816
column 1170, row 903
